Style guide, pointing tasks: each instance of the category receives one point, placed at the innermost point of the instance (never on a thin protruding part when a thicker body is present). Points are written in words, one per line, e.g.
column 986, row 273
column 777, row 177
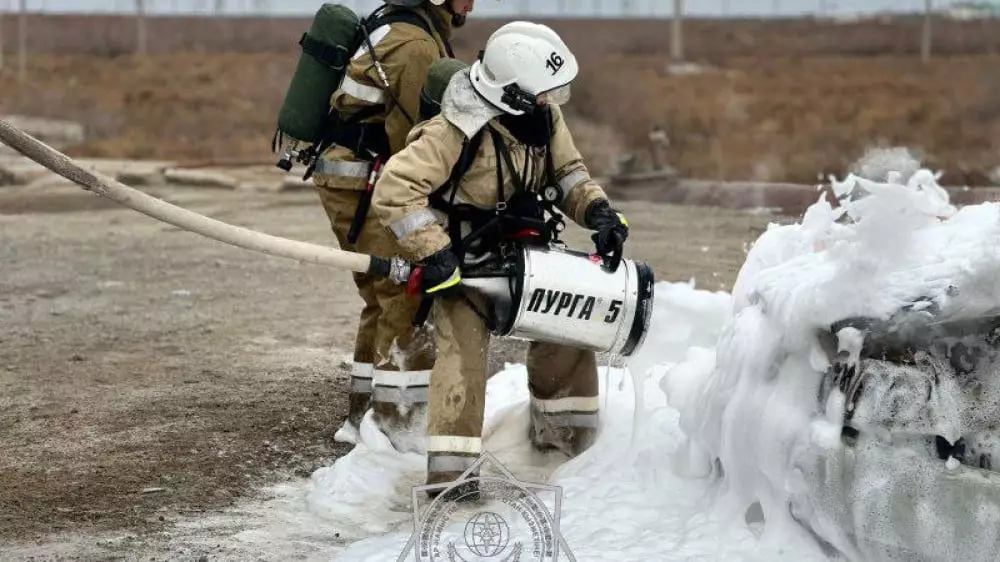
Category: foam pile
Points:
column 891, row 244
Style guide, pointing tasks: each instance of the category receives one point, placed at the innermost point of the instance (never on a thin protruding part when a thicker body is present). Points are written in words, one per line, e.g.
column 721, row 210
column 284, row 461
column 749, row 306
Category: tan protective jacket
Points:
column 433, row 148
column 405, row 52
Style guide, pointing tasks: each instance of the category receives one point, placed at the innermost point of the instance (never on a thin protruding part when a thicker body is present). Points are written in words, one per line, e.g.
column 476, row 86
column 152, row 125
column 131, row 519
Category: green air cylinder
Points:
column 327, row 48
column 438, row 77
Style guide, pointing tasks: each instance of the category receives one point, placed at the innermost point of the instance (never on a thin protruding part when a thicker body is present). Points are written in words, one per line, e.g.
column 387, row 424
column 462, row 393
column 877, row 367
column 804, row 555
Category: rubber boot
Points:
column 572, row 441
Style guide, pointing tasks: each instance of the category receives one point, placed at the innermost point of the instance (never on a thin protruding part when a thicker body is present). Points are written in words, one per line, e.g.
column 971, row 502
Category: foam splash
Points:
column 889, row 245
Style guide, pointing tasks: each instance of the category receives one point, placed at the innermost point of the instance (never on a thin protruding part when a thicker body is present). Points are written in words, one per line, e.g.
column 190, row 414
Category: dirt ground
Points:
column 148, row 373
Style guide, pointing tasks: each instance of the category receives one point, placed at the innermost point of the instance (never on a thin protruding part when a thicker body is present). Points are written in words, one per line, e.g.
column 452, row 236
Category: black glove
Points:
column 612, row 231
column 440, row 274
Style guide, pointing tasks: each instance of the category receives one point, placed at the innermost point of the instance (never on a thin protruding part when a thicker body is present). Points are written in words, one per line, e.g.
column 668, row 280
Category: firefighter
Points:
column 499, row 142
column 392, row 361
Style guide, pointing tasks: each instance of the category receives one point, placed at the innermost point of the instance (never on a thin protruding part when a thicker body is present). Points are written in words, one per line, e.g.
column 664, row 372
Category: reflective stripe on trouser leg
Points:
column 400, row 387
column 579, row 411
column 457, row 391
column 452, row 453
column 361, row 378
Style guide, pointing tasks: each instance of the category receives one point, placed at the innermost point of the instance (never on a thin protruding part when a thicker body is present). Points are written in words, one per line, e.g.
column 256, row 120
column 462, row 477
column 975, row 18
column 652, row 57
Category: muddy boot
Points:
column 467, row 491
column 570, row 440
column 358, row 401
column 546, row 436
column 358, row 404
column 405, row 425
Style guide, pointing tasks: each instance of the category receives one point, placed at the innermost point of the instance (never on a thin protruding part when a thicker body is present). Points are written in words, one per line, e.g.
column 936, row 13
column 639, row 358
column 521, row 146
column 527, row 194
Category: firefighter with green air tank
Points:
column 377, row 66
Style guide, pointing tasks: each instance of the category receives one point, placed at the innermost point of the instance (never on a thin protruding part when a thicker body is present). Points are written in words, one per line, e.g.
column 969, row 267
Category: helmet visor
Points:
column 556, row 96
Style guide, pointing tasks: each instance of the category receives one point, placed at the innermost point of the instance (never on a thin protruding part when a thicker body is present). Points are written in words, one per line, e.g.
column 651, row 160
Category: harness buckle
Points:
column 501, row 206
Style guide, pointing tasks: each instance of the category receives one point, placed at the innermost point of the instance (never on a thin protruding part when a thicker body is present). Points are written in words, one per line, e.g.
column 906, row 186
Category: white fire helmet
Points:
column 521, row 61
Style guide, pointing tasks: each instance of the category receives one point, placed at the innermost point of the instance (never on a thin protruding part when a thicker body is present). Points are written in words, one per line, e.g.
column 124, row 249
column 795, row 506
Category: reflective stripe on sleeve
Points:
column 573, row 179
column 413, row 222
column 361, row 91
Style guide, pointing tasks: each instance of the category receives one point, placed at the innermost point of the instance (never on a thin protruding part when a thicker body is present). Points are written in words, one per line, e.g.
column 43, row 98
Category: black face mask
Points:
column 531, row 129
column 457, row 20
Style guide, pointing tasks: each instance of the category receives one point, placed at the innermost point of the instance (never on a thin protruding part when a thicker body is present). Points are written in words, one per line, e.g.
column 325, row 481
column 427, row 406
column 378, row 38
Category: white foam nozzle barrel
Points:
column 566, row 297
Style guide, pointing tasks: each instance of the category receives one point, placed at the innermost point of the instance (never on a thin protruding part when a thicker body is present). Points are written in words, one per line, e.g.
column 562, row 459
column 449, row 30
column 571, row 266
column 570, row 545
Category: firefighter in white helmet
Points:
column 389, row 355
column 499, row 143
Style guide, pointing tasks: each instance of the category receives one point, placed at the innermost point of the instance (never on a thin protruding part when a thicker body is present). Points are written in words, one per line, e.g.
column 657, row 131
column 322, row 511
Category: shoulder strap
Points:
column 401, row 15
column 503, row 157
column 550, row 167
column 406, row 15
column 469, row 150
column 470, row 147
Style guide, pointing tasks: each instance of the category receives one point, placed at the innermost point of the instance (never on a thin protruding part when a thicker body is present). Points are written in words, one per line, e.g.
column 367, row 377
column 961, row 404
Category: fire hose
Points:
column 394, row 268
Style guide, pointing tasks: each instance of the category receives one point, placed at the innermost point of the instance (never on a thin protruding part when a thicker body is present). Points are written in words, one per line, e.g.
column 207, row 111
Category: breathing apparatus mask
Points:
column 531, row 129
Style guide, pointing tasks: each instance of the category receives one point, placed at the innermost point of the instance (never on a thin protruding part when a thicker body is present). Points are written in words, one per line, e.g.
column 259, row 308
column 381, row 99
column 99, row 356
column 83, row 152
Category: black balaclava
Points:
column 531, row 129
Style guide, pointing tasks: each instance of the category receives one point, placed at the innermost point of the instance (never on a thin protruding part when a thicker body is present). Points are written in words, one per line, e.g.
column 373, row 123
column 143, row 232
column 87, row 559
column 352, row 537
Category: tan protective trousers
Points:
column 392, row 360
column 562, row 381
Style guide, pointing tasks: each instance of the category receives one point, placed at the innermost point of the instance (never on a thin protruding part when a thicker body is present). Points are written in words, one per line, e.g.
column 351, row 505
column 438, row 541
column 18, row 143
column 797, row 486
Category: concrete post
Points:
column 676, row 37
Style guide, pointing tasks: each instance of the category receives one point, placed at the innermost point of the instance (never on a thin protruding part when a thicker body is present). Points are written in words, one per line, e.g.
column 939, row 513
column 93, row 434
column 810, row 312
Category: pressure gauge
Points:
column 551, row 194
